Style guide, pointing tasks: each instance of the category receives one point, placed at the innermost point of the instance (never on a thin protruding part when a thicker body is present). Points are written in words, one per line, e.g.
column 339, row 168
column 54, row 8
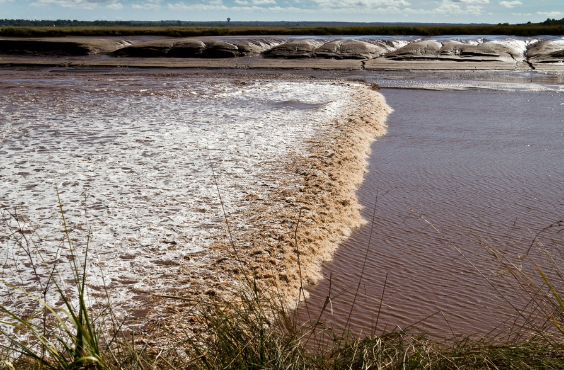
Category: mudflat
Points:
column 286, row 53
column 60, row 46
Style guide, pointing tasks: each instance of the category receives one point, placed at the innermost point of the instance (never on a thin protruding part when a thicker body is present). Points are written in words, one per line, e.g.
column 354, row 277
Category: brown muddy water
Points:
column 480, row 160
column 138, row 160
column 483, row 167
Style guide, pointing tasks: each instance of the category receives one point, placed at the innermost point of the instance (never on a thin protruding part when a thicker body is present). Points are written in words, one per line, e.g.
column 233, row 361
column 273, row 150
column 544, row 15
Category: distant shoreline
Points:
column 500, row 53
column 225, row 30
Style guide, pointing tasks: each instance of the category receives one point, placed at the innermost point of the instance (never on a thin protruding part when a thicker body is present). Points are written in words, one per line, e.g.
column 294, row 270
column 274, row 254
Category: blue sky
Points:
column 463, row 11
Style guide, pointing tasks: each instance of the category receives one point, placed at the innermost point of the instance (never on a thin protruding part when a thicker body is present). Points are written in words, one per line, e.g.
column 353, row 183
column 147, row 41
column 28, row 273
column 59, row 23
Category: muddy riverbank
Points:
column 361, row 53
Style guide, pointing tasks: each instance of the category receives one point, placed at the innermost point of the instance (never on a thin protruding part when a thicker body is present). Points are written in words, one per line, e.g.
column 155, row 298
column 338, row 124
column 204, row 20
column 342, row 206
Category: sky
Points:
column 426, row 11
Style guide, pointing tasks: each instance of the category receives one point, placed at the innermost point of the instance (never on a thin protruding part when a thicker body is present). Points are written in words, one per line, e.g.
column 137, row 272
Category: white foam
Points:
column 132, row 161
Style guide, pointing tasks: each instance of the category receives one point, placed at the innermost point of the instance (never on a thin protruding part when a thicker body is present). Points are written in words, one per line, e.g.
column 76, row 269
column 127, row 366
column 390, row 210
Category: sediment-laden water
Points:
column 139, row 159
column 457, row 171
column 139, row 162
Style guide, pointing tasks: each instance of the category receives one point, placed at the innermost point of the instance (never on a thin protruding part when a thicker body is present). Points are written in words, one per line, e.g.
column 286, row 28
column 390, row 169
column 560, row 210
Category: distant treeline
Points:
column 553, row 22
column 224, row 30
column 76, row 23
column 179, row 23
column 173, row 23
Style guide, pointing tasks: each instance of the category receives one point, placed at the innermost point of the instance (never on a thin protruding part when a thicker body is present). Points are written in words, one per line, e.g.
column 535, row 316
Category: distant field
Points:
column 513, row 30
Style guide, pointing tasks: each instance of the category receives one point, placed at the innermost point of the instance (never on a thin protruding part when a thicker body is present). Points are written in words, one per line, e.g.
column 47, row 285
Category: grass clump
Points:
column 256, row 330
column 65, row 337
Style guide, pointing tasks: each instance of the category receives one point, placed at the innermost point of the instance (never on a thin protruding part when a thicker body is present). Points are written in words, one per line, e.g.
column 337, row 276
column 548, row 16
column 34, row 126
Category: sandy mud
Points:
column 443, row 53
column 60, row 46
column 303, row 48
column 547, row 54
column 353, row 49
column 459, row 51
column 195, row 48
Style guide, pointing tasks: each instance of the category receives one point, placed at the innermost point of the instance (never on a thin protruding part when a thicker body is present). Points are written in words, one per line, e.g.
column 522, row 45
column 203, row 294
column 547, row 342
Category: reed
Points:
column 537, row 276
column 255, row 330
column 194, row 31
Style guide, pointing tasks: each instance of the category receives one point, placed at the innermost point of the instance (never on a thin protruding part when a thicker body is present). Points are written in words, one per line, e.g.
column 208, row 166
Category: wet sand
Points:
column 380, row 64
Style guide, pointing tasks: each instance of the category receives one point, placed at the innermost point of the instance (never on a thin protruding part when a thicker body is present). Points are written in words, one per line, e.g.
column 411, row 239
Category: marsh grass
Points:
column 256, row 330
column 513, row 30
column 537, row 280
column 67, row 335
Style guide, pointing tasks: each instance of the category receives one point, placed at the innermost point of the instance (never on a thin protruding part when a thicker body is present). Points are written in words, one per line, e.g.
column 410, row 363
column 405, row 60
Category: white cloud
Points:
column 278, row 9
column 396, row 7
column 472, row 1
column 473, row 9
column 116, row 6
column 186, row 7
column 83, row 4
column 327, row 5
column 359, row 4
column 448, row 7
column 552, row 14
column 386, row 10
column 251, row 8
column 209, row 5
column 510, row 4
column 148, row 5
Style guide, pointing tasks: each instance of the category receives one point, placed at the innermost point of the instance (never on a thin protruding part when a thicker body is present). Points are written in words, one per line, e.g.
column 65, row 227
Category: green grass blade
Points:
column 554, row 293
